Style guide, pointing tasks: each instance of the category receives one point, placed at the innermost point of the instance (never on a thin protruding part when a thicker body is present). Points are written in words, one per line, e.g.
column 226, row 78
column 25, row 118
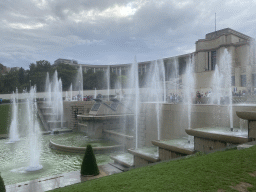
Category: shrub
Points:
column 2, row 186
column 89, row 165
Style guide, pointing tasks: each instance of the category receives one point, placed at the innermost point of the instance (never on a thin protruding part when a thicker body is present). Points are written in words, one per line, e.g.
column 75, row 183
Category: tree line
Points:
column 36, row 75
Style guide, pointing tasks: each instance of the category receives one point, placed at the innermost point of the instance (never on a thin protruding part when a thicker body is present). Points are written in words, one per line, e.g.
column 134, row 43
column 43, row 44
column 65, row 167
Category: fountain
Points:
column 134, row 76
column 216, row 86
column 108, row 80
column 78, row 86
column 57, row 101
column 176, row 76
column 188, row 88
column 13, row 133
column 70, row 92
column 51, row 110
column 178, row 147
column 33, row 132
column 155, row 90
column 226, row 64
column 208, row 139
column 48, row 90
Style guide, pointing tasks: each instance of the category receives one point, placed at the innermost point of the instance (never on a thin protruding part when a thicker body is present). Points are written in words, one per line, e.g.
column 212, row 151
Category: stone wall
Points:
column 70, row 110
column 174, row 120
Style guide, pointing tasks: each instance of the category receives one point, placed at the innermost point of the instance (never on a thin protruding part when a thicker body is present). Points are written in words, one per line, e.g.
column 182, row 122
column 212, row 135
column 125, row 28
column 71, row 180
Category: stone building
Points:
column 209, row 51
column 207, row 55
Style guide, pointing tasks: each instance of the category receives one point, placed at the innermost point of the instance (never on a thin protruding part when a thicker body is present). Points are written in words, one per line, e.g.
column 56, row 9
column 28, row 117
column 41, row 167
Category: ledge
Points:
column 247, row 115
column 82, row 149
column 172, row 148
column 121, row 162
column 144, row 156
column 100, row 117
column 218, row 137
column 118, row 134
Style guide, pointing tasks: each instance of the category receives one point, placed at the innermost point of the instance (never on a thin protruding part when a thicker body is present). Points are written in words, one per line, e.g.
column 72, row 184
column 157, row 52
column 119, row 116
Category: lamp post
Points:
column 29, row 85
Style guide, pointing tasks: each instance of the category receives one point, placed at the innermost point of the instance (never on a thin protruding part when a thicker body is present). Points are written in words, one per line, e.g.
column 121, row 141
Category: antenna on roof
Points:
column 215, row 22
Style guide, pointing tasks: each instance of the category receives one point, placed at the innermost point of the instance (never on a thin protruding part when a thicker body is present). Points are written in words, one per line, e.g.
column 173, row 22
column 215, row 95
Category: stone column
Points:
column 238, row 77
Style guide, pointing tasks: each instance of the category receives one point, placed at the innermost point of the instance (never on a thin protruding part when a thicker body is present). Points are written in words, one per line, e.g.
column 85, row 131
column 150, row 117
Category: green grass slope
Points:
column 211, row 172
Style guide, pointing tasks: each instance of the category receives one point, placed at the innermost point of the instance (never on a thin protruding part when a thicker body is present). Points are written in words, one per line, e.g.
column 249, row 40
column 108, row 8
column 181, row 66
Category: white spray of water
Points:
column 134, row 100
column 189, row 89
column 70, row 92
column 80, row 81
column 108, row 80
column 13, row 133
column 57, row 100
column 155, row 90
column 226, row 69
column 216, row 86
column 48, row 90
column 33, row 132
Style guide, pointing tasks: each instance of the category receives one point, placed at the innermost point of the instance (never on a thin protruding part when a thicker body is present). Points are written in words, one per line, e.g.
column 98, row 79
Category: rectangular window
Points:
column 208, row 68
column 213, row 60
column 254, row 80
column 243, row 80
column 233, row 81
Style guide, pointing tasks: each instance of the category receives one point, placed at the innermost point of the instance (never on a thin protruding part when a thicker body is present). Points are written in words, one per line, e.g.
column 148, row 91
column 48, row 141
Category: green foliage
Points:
column 89, row 164
column 4, row 118
column 36, row 75
column 2, row 186
column 67, row 73
column 96, row 80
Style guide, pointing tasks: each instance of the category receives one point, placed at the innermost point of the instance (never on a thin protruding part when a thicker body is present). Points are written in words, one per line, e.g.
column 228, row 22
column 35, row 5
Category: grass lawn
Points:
column 4, row 118
column 219, row 170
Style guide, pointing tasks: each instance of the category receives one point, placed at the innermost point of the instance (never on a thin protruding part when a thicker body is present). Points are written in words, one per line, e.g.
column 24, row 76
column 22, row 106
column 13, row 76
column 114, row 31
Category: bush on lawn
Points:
column 89, row 165
column 2, row 186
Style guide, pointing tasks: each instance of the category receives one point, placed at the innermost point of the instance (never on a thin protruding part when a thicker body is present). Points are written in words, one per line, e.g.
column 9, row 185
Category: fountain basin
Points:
column 247, row 115
column 76, row 143
column 94, row 126
column 15, row 161
column 169, row 149
column 144, row 156
column 208, row 139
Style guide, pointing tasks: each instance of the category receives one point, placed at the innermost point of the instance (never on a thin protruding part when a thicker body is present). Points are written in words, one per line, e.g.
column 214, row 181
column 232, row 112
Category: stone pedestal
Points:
column 251, row 117
column 141, row 159
column 167, row 151
column 209, row 139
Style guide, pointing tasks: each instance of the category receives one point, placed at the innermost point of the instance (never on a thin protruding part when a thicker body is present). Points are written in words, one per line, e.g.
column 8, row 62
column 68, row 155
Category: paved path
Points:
column 61, row 180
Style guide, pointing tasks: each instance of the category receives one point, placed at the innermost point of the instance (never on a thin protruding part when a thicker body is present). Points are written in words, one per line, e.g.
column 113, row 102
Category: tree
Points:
column 21, row 75
column 2, row 186
column 37, row 74
column 10, row 81
column 89, row 164
column 67, row 73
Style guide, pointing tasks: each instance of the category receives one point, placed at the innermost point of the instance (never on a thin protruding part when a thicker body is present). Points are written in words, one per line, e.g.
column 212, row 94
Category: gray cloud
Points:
column 112, row 31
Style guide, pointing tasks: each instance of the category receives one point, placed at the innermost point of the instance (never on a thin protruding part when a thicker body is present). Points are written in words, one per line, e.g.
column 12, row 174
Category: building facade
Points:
column 209, row 51
column 207, row 55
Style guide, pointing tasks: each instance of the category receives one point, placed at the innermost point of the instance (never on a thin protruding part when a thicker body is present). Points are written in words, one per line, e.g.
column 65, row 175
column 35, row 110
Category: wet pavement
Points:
column 61, row 180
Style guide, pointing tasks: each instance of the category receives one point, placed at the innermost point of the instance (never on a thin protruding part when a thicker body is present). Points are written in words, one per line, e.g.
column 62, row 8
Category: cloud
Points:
column 113, row 31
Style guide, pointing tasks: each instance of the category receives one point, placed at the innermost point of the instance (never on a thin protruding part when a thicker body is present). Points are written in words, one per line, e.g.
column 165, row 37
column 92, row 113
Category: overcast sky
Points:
column 113, row 31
